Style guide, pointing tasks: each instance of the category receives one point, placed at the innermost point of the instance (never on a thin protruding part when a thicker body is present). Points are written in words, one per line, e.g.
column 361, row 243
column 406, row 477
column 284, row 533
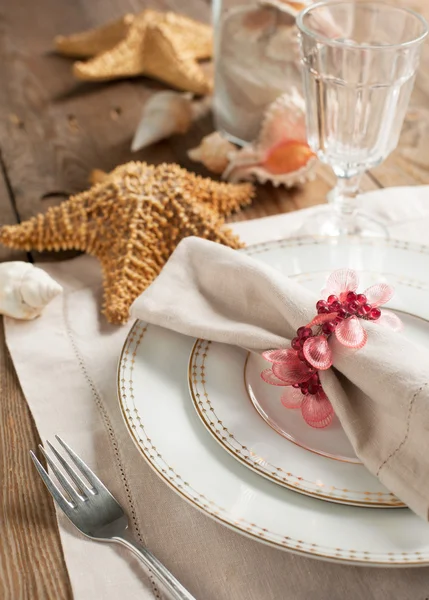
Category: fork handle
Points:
column 172, row 585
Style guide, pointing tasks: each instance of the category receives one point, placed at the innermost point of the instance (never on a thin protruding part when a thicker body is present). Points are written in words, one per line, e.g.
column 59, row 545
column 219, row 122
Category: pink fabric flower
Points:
column 302, row 383
column 341, row 295
column 316, row 409
column 339, row 314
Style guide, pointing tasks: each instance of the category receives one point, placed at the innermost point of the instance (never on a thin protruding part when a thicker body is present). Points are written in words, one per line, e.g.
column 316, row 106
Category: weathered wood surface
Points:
column 53, row 132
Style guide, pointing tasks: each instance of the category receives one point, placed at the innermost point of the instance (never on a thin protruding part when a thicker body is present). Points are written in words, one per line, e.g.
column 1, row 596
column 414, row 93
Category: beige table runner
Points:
column 66, row 362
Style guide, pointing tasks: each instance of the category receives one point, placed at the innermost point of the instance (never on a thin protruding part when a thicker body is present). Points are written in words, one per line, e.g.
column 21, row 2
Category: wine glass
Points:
column 359, row 60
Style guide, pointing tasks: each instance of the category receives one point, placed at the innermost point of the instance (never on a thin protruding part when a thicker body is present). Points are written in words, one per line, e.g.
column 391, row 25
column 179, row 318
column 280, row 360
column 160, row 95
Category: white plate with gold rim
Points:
column 226, row 388
column 154, row 396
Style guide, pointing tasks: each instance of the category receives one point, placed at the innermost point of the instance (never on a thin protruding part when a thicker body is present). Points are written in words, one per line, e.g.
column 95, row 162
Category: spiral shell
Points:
column 165, row 114
column 25, row 290
column 213, row 152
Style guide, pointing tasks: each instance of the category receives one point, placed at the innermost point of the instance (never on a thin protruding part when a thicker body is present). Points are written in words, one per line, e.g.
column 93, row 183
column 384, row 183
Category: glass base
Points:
column 331, row 222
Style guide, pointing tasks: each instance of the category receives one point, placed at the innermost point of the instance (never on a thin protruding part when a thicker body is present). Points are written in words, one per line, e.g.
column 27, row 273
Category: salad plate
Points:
column 154, row 399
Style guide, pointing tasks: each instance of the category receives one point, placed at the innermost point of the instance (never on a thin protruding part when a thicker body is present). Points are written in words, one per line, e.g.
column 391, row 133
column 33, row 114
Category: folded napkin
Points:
column 380, row 393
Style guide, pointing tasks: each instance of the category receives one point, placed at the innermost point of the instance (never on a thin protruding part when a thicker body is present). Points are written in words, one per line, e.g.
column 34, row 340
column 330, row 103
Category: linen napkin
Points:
column 381, row 392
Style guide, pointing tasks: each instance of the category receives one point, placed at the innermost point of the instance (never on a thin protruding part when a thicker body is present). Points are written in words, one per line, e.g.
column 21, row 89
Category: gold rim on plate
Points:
column 211, row 421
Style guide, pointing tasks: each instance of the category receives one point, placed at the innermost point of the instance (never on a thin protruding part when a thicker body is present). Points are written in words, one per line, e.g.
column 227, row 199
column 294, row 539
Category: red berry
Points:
column 361, row 311
column 351, row 297
column 306, row 333
column 342, row 314
column 328, row 328
column 313, row 388
column 361, row 298
column 335, row 306
column 323, row 310
column 314, row 379
column 299, row 331
column 296, row 343
column 332, row 298
column 374, row 314
column 301, row 355
column 352, row 307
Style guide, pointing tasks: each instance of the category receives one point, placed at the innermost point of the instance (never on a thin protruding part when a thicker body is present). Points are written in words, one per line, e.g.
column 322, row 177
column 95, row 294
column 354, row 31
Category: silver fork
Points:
column 96, row 513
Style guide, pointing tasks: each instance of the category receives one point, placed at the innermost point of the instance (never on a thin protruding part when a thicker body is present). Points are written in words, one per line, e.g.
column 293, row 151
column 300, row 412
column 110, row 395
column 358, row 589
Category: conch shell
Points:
column 213, row 152
column 281, row 154
column 167, row 113
column 25, row 290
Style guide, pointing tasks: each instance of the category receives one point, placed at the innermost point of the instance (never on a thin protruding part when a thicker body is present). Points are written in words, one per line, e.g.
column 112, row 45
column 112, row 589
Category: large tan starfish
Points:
column 132, row 221
column 165, row 46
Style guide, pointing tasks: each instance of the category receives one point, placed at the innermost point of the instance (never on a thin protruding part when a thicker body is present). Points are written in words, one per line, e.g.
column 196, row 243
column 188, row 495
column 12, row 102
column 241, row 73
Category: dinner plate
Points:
column 154, row 398
column 226, row 388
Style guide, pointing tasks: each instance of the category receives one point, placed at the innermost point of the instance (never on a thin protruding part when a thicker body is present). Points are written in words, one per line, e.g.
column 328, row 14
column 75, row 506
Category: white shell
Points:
column 213, row 152
column 25, row 290
column 165, row 114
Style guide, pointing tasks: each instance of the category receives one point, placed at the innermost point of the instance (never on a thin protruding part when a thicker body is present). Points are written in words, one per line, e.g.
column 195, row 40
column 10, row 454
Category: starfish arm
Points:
column 52, row 231
column 123, row 60
column 166, row 60
column 223, row 198
column 196, row 39
column 94, row 41
column 226, row 200
column 97, row 176
column 75, row 224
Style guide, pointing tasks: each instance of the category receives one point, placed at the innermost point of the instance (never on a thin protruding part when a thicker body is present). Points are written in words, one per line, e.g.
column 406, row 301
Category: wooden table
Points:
column 53, row 131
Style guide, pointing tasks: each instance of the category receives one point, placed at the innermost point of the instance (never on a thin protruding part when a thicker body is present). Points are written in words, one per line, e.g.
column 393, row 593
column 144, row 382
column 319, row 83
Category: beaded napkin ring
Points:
column 339, row 313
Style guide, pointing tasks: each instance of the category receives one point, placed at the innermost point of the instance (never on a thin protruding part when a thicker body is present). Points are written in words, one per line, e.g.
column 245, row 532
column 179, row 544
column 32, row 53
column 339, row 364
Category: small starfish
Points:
column 165, row 46
column 132, row 221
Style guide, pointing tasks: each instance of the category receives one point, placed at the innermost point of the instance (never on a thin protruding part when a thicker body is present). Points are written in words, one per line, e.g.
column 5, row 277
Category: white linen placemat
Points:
column 66, row 363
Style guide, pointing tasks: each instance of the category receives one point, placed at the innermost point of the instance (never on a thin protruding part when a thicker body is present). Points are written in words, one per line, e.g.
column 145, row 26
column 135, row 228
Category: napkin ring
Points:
column 339, row 315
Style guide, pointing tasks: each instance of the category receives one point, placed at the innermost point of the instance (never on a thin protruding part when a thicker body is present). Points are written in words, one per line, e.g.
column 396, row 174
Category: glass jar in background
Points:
column 256, row 60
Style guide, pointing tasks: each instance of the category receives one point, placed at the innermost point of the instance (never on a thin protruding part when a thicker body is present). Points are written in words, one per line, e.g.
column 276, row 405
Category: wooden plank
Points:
column 31, row 559
column 7, row 213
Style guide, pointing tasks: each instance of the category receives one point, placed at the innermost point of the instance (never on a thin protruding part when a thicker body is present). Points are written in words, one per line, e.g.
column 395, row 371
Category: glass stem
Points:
column 342, row 199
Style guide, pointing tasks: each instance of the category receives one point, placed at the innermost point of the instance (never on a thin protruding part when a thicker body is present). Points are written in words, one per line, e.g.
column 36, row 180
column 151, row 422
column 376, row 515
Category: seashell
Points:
column 281, row 153
column 323, row 23
column 213, row 152
column 25, row 290
column 260, row 174
column 167, row 113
